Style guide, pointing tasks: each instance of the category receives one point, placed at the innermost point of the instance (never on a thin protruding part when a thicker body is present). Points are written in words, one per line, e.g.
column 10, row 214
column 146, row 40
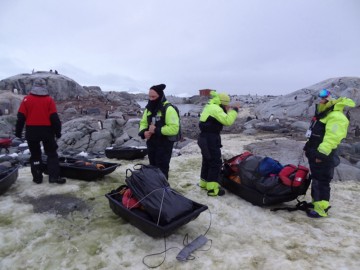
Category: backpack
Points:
column 269, row 166
column 178, row 136
column 150, row 187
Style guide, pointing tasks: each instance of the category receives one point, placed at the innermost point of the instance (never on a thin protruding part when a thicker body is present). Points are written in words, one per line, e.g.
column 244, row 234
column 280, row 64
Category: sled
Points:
column 250, row 194
column 126, row 152
column 8, row 178
column 142, row 220
column 263, row 187
column 70, row 168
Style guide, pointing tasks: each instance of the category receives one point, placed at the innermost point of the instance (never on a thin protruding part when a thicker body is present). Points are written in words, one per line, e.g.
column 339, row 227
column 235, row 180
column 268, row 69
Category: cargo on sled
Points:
column 148, row 203
column 126, row 152
column 83, row 169
column 264, row 181
column 8, row 177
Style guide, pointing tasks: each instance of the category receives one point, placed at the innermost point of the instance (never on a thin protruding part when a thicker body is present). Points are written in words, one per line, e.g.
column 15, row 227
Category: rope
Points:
column 185, row 242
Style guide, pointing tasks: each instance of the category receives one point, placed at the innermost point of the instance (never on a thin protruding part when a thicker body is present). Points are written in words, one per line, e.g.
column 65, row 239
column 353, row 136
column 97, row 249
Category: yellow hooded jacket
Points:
column 336, row 124
column 169, row 128
column 213, row 110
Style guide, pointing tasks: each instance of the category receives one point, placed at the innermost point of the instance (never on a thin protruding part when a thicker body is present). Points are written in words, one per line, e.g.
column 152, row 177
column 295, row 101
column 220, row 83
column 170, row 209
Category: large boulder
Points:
column 9, row 102
column 60, row 87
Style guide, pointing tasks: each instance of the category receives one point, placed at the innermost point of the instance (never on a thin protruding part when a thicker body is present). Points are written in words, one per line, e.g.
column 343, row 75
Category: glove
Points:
column 321, row 156
column 58, row 135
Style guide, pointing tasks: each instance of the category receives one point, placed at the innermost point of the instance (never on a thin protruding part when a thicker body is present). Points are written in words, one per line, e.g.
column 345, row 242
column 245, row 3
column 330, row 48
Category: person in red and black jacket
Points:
column 38, row 112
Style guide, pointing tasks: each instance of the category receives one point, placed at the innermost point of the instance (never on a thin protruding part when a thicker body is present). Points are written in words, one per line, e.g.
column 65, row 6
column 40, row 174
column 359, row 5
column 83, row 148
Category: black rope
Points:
column 301, row 205
column 185, row 242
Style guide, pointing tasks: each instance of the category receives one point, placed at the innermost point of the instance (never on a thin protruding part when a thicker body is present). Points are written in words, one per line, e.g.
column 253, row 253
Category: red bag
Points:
column 233, row 162
column 293, row 176
column 129, row 201
column 300, row 175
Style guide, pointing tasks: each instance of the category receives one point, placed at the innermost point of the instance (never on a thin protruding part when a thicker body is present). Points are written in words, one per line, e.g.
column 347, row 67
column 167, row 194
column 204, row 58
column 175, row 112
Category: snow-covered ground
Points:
column 242, row 236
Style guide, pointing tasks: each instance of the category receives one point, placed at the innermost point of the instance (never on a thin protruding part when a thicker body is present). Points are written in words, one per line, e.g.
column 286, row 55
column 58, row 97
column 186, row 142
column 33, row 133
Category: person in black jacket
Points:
column 38, row 112
column 159, row 125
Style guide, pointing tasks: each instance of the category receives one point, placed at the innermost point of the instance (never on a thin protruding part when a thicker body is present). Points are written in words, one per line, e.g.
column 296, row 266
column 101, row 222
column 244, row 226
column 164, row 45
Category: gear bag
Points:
column 151, row 188
column 265, row 188
column 293, row 176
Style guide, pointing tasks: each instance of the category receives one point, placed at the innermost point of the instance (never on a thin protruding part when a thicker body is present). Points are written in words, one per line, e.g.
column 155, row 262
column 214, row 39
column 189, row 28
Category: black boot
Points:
column 57, row 180
column 36, row 171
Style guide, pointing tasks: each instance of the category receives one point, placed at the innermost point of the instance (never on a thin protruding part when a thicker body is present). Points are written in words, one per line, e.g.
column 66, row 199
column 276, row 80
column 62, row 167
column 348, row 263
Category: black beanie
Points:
column 159, row 89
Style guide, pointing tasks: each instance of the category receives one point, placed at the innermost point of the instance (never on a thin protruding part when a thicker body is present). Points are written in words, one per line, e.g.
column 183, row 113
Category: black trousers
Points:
column 159, row 153
column 210, row 145
column 50, row 147
column 321, row 173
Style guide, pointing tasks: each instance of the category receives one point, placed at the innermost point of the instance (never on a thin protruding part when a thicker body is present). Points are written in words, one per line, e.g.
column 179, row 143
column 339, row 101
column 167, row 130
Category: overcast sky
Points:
column 236, row 46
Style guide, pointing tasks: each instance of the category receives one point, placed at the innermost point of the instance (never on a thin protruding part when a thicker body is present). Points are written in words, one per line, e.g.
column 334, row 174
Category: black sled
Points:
column 8, row 177
column 83, row 169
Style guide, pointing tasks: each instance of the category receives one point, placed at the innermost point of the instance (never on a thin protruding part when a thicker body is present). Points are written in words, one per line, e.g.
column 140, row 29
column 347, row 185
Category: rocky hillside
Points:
column 60, row 87
column 93, row 119
column 301, row 103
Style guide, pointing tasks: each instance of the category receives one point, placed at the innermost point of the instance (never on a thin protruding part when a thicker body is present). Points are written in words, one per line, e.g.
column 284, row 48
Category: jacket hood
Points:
column 344, row 102
column 39, row 88
column 215, row 98
column 338, row 104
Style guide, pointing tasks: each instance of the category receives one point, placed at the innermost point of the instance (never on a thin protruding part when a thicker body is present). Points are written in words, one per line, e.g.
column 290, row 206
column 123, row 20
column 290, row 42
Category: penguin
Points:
column 16, row 92
column 100, row 124
column 271, row 117
column 285, row 112
column 357, row 131
column 277, row 120
column 107, row 115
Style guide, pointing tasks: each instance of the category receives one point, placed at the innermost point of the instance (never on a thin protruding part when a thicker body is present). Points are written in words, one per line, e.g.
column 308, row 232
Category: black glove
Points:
column 141, row 134
column 58, row 135
column 321, row 156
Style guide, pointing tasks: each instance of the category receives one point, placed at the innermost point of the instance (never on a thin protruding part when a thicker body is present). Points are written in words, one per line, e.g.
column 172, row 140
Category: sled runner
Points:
column 81, row 169
column 126, row 152
column 8, row 177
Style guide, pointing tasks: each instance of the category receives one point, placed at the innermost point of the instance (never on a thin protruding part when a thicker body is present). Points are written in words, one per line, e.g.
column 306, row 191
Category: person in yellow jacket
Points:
column 328, row 127
column 216, row 114
column 159, row 124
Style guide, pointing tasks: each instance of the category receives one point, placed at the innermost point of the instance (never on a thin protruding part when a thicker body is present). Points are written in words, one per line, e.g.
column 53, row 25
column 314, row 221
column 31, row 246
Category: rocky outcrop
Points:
column 291, row 152
column 301, row 104
column 60, row 87
column 9, row 102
